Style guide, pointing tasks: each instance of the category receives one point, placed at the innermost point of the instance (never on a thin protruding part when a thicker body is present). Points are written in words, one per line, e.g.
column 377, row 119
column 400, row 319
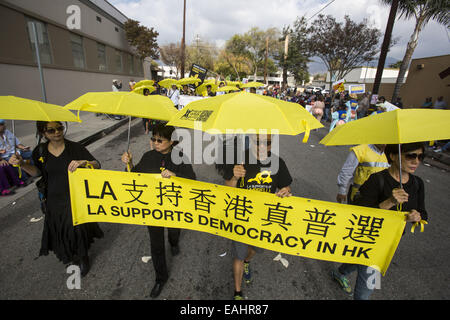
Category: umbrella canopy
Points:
column 234, row 112
column 15, row 108
column 190, row 80
column 253, row 84
column 140, row 90
column 167, row 83
column 227, row 88
column 393, row 127
column 203, row 86
column 125, row 103
column 144, row 83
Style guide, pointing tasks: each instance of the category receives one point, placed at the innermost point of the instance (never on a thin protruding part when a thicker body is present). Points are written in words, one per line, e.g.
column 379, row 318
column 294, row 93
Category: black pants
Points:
column 158, row 249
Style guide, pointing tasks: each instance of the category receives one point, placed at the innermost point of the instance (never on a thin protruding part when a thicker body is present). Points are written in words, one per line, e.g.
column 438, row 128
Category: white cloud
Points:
column 217, row 20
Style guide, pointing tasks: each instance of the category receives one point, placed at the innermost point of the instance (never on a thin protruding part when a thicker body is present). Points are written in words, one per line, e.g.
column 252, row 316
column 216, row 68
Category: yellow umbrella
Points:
column 227, row 88
column 140, row 89
column 167, row 83
column 393, row 127
column 125, row 103
column 15, row 108
column 253, row 84
column 190, row 80
column 144, row 83
column 201, row 88
column 234, row 112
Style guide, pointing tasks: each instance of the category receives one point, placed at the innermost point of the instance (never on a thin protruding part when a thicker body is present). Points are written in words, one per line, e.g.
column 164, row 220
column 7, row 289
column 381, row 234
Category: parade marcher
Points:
column 362, row 161
column 382, row 191
column 174, row 95
column 318, row 108
column 352, row 107
column 279, row 183
column 52, row 159
column 339, row 116
column 159, row 160
column 209, row 91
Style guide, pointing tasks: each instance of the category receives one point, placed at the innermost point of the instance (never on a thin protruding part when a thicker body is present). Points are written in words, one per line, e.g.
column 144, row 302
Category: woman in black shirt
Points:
column 52, row 160
column 382, row 190
column 159, row 160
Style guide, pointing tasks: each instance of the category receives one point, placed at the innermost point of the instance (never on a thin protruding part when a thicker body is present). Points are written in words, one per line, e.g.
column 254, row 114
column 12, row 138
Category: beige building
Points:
column 82, row 46
column 424, row 81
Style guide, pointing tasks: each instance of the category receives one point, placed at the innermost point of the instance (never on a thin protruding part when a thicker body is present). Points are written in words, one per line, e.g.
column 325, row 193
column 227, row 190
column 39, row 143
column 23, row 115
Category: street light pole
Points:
column 183, row 41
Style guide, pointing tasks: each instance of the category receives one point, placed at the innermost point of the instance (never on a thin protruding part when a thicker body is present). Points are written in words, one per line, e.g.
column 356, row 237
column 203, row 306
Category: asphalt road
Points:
column 419, row 269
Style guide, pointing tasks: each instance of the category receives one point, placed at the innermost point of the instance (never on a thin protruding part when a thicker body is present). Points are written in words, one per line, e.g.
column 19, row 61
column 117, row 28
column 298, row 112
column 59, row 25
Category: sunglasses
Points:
column 157, row 140
column 54, row 130
column 414, row 156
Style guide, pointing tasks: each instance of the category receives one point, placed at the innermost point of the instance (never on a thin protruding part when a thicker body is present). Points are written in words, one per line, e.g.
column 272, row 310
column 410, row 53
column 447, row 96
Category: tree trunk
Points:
column 412, row 44
column 385, row 46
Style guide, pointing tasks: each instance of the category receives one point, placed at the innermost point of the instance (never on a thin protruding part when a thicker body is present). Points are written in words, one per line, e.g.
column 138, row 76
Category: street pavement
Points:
column 203, row 269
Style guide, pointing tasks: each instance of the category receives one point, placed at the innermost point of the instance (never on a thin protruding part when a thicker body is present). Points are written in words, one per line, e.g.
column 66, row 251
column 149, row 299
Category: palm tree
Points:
column 423, row 11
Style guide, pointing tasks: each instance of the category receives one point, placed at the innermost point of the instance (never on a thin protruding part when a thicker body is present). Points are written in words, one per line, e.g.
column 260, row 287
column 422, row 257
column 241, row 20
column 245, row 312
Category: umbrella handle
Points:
column 307, row 131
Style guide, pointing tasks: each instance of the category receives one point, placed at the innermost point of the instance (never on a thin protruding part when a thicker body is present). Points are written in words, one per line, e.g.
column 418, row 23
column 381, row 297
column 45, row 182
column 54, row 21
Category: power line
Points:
column 321, row 10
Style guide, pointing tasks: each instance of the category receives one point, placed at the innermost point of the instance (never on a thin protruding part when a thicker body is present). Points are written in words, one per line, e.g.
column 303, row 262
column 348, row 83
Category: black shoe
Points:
column 85, row 266
column 175, row 250
column 157, row 289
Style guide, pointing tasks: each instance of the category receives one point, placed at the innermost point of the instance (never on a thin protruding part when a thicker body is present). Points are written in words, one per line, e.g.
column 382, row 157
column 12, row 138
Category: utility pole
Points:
column 385, row 46
column 183, row 41
column 265, row 61
column 286, row 46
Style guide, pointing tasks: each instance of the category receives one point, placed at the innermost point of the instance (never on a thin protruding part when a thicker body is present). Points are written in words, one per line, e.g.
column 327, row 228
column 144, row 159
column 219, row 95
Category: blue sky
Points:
column 217, row 20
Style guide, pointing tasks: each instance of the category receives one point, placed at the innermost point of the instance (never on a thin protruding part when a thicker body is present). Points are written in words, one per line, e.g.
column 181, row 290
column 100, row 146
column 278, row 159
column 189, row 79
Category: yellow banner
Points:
column 296, row 226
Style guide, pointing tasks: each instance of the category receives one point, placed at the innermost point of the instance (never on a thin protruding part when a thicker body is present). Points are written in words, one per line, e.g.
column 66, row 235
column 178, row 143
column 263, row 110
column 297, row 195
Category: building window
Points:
column 117, row 29
column 77, row 51
column 101, row 55
column 130, row 64
column 99, row 19
column 42, row 39
column 119, row 64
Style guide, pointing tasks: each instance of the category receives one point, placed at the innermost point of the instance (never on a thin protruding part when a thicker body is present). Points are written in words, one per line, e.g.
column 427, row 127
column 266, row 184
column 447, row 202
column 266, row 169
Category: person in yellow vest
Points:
column 362, row 161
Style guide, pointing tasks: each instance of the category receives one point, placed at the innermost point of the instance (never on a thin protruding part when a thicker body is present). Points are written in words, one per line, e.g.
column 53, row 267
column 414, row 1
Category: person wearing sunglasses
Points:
column 382, row 190
column 53, row 159
column 257, row 176
column 159, row 160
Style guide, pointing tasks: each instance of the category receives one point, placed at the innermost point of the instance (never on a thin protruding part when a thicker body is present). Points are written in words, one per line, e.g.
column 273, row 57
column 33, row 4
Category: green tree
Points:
column 143, row 39
column 422, row 11
column 342, row 46
column 299, row 54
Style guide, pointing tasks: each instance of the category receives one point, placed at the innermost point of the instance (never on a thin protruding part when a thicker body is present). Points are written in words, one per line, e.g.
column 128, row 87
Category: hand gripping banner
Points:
column 296, row 226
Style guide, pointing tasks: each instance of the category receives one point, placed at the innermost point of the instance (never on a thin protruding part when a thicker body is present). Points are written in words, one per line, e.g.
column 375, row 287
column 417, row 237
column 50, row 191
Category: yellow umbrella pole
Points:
column 128, row 143
column 15, row 149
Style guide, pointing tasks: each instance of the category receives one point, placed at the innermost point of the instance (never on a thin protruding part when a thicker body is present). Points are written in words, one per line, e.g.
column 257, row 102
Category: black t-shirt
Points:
column 259, row 176
column 152, row 162
column 379, row 186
